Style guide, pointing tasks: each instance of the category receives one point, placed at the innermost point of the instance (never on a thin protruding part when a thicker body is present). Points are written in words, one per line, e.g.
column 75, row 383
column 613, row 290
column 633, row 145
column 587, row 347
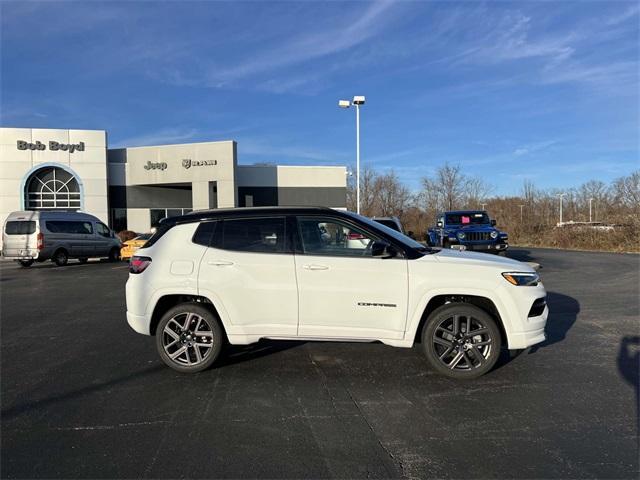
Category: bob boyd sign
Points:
column 53, row 146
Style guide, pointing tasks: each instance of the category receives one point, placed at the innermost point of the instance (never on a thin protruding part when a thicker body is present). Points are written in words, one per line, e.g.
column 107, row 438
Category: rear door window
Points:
column 20, row 227
column 264, row 235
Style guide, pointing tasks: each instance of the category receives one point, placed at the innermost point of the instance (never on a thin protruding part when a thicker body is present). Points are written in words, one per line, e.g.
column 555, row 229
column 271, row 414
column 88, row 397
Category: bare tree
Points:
column 475, row 190
column 626, row 191
column 451, row 185
column 391, row 196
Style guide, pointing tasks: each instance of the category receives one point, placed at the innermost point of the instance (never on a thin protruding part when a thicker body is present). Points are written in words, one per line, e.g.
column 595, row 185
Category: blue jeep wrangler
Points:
column 471, row 229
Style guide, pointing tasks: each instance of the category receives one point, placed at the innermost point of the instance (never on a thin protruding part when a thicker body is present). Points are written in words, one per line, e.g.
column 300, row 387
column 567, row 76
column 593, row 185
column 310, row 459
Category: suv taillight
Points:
column 355, row 236
column 40, row 241
column 139, row 264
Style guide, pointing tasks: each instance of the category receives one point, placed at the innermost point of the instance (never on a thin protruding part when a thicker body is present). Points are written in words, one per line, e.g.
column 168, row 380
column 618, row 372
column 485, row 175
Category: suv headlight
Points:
column 522, row 279
column 494, row 234
column 461, row 235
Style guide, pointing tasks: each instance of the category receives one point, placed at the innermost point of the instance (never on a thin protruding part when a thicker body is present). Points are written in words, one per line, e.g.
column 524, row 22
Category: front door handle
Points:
column 315, row 267
column 219, row 263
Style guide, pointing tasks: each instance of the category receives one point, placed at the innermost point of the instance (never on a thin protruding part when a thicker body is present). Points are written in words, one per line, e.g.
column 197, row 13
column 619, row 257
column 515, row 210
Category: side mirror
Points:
column 493, row 222
column 383, row 250
column 439, row 224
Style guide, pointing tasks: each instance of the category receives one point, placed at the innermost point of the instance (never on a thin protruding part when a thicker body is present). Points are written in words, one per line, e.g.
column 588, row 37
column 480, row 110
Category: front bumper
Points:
column 484, row 247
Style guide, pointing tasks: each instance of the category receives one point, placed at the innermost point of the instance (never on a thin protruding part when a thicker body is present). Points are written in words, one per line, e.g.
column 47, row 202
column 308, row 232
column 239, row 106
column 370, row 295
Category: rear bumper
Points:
column 140, row 323
column 26, row 254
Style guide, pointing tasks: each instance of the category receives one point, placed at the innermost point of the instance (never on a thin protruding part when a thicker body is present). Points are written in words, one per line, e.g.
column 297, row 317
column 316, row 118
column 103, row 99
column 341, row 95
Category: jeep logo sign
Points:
column 53, row 146
column 156, row 166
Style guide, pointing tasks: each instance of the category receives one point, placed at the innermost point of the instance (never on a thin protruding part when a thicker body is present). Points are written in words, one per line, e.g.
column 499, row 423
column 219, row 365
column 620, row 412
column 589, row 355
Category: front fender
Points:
column 419, row 308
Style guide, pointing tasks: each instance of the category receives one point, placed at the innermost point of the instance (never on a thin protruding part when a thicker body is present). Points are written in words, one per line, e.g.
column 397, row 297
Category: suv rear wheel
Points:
column 61, row 257
column 461, row 340
column 25, row 263
column 189, row 338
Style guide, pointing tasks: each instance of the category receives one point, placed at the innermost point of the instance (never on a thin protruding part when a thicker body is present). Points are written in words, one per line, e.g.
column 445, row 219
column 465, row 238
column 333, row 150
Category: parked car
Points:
column 468, row 230
column 130, row 246
column 36, row 236
column 391, row 222
column 212, row 277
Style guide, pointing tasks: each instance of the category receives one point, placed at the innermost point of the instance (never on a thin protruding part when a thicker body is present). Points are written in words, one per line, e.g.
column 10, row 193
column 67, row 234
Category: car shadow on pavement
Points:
column 233, row 354
column 27, row 407
column 629, row 368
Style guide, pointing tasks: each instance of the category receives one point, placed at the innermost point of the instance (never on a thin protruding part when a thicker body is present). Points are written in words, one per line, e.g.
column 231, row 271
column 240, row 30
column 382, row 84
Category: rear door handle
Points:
column 315, row 267
column 219, row 263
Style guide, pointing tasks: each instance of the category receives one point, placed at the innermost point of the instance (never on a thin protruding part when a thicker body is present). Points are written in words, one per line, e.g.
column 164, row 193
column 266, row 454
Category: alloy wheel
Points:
column 187, row 339
column 462, row 342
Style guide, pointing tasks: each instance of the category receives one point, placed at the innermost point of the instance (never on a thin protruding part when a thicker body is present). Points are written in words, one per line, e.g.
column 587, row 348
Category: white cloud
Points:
column 164, row 136
column 341, row 36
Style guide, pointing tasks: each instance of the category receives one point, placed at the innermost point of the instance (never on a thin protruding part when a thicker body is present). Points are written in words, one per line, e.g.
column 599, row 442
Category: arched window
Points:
column 52, row 187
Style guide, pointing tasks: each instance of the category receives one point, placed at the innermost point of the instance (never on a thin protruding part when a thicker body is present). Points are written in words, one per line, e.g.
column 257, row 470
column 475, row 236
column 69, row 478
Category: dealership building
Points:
column 135, row 187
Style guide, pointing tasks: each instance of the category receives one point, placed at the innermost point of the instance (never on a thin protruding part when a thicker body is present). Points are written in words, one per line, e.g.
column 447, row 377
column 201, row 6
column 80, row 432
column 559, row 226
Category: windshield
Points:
column 402, row 238
column 144, row 236
column 467, row 218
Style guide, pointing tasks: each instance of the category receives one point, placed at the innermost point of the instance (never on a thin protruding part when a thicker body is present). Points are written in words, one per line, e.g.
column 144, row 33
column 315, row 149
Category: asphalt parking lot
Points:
column 84, row 396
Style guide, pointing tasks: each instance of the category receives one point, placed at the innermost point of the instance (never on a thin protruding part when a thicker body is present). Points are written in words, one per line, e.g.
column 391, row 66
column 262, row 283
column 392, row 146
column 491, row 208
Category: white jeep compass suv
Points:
column 243, row 274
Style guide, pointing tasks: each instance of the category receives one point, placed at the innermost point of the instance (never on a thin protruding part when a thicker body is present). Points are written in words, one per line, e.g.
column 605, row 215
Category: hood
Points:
column 453, row 256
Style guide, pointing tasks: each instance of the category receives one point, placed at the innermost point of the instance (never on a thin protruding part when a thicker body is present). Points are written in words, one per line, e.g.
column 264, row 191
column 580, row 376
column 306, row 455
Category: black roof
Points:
column 200, row 215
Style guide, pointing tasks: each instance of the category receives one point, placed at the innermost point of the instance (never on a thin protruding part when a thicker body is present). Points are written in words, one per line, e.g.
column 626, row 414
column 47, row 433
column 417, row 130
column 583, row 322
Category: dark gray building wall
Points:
column 294, row 196
column 149, row 197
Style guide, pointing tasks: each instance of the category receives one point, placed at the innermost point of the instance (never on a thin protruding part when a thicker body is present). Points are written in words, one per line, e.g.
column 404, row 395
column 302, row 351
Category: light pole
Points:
column 561, row 195
column 483, row 205
column 521, row 207
column 590, row 200
column 357, row 101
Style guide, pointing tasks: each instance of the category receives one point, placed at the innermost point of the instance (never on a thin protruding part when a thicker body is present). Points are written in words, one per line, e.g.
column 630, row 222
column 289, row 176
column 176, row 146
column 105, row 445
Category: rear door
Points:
column 343, row 291
column 250, row 270
column 20, row 237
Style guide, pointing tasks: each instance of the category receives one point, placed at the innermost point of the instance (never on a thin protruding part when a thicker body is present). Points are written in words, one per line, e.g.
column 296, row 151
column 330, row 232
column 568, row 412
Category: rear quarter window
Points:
column 204, row 233
column 20, row 227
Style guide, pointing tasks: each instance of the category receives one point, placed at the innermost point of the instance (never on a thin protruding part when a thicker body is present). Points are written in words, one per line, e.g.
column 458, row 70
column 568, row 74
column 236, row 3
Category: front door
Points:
column 343, row 291
column 250, row 270
column 102, row 240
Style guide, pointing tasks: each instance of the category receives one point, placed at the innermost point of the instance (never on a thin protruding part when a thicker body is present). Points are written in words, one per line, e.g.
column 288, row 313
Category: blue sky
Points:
column 545, row 90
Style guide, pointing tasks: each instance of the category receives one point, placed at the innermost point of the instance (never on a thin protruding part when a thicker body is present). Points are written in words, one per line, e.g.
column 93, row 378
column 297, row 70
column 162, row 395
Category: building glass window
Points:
column 52, row 188
column 158, row 214
column 118, row 219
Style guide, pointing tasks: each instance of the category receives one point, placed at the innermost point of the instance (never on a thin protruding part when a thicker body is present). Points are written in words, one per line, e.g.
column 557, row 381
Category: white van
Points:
column 36, row 236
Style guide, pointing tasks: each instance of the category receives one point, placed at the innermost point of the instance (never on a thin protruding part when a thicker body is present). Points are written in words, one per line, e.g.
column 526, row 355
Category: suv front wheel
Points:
column 189, row 338
column 461, row 340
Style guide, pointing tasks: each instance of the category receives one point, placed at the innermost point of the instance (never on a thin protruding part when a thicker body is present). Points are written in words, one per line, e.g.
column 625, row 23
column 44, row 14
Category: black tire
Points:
column 25, row 263
column 83, row 259
column 211, row 340
column 443, row 348
column 114, row 255
column 60, row 257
